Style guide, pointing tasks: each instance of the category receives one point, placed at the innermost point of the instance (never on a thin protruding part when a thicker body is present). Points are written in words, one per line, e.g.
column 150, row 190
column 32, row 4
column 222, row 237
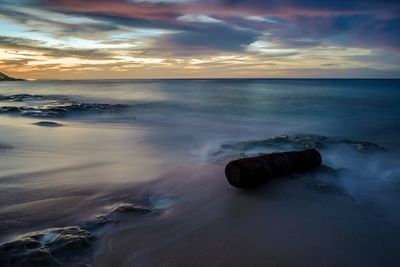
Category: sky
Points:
column 99, row 39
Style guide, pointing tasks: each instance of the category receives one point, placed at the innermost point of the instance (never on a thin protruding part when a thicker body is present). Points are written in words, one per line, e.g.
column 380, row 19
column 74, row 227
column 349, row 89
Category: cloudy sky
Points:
column 77, row 39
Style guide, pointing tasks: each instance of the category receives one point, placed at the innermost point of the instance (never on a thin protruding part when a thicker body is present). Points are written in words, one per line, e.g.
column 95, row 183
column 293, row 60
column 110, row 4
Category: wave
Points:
column 285, row 142
column 72, row 245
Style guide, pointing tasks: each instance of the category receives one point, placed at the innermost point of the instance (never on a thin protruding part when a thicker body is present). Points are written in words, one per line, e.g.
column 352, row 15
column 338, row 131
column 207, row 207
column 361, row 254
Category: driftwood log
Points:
column 249, row 172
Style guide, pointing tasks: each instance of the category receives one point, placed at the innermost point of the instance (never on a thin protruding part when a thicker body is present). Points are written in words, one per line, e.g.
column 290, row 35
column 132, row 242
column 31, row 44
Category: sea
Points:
column 138, row 165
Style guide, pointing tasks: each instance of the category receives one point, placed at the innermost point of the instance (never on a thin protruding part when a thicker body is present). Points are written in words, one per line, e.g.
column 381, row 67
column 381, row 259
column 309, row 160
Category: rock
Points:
column 51, row 106
column 5, row 146
column 363, row 146
column 48, row 124
column 300, row 141
column 52, row 247
column 139, row 209
column 305, row 141
column 64, row 246
column 162, row 203
column 285, row 142
column 113, row 217
column 4, row 77
column 20, row 97
column 249, row 172
column 98, row 222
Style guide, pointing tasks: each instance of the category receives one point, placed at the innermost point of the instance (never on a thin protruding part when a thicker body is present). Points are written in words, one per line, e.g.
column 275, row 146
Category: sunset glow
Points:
column 71, row 39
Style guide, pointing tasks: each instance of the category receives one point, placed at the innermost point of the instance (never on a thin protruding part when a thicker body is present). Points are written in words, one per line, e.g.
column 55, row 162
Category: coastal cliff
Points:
column 4, row 77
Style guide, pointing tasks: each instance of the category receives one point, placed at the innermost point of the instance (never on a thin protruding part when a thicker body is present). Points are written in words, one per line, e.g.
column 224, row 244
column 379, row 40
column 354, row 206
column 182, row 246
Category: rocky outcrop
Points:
column 302, row 141
column 4, row 77
column 5, row 146
column 363, row 146
column 138, row 209
column 48, row 124
column 288, row 142
column 112, row 217
column 20, row 97
column 51, row 106
column 66, row 246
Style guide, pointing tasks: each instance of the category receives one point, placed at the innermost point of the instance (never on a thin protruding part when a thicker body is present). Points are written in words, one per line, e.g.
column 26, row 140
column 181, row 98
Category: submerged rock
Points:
column 66, row 246
column 300, row 141
column 5, row 146
column 98, row 222
column 363, row 146
column 20, row 97
column 113, row 216
column 48, row 124
column 285, row 142
column 50, row 106
column 162, row 203
column 128, row 207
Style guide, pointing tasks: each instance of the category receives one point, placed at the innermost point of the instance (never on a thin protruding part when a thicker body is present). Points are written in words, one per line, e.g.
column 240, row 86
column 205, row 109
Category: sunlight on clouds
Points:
column 7, row 54
column 199, row 18
column 68, row 62
column 82, row 43
column 140, row 60
column 260, row 19
column 178, row 38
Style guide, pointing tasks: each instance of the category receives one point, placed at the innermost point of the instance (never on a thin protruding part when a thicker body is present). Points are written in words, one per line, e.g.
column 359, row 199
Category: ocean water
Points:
column 164, row 143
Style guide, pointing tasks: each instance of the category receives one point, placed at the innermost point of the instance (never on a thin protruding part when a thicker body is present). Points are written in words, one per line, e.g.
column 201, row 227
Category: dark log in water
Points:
column 249, row 172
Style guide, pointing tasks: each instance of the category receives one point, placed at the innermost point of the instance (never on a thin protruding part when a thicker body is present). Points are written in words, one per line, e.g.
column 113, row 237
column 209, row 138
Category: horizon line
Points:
column 222, row 78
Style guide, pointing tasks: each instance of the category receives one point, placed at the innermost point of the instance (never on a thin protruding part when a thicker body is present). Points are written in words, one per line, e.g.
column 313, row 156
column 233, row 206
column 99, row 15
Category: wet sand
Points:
column 284, row 223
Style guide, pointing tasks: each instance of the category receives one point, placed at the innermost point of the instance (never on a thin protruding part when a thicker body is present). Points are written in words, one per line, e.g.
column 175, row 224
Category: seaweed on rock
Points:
column 65, row 246
column 50, row 106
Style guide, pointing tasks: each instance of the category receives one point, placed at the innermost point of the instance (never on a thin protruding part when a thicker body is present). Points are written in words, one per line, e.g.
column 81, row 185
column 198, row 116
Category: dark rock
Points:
column 65, row 246
column 287, row 142
column 20, row 97
column 113, row 217
column 363, row 146
column 249, row 172
column 139, row 209
column 5, row 146
column 98, row 222
column 305, row 141
column 163, row 203
column 301, row 141
column 52, row 247
column 4, row 77
column 51, row 106
column 48, row 124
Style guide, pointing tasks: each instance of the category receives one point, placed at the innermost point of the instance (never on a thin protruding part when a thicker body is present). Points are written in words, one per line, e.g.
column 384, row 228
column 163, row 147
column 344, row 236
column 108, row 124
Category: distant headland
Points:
column 4, row 77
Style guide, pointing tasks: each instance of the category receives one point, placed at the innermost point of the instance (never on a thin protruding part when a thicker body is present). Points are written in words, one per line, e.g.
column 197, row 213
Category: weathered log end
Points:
column 250, row 172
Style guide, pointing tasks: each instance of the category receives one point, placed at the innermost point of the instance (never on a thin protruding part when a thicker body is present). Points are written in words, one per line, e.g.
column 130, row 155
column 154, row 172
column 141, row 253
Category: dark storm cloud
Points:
column 57, row 27
column 211, row 37
column 356, row 31
column 301, row 23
